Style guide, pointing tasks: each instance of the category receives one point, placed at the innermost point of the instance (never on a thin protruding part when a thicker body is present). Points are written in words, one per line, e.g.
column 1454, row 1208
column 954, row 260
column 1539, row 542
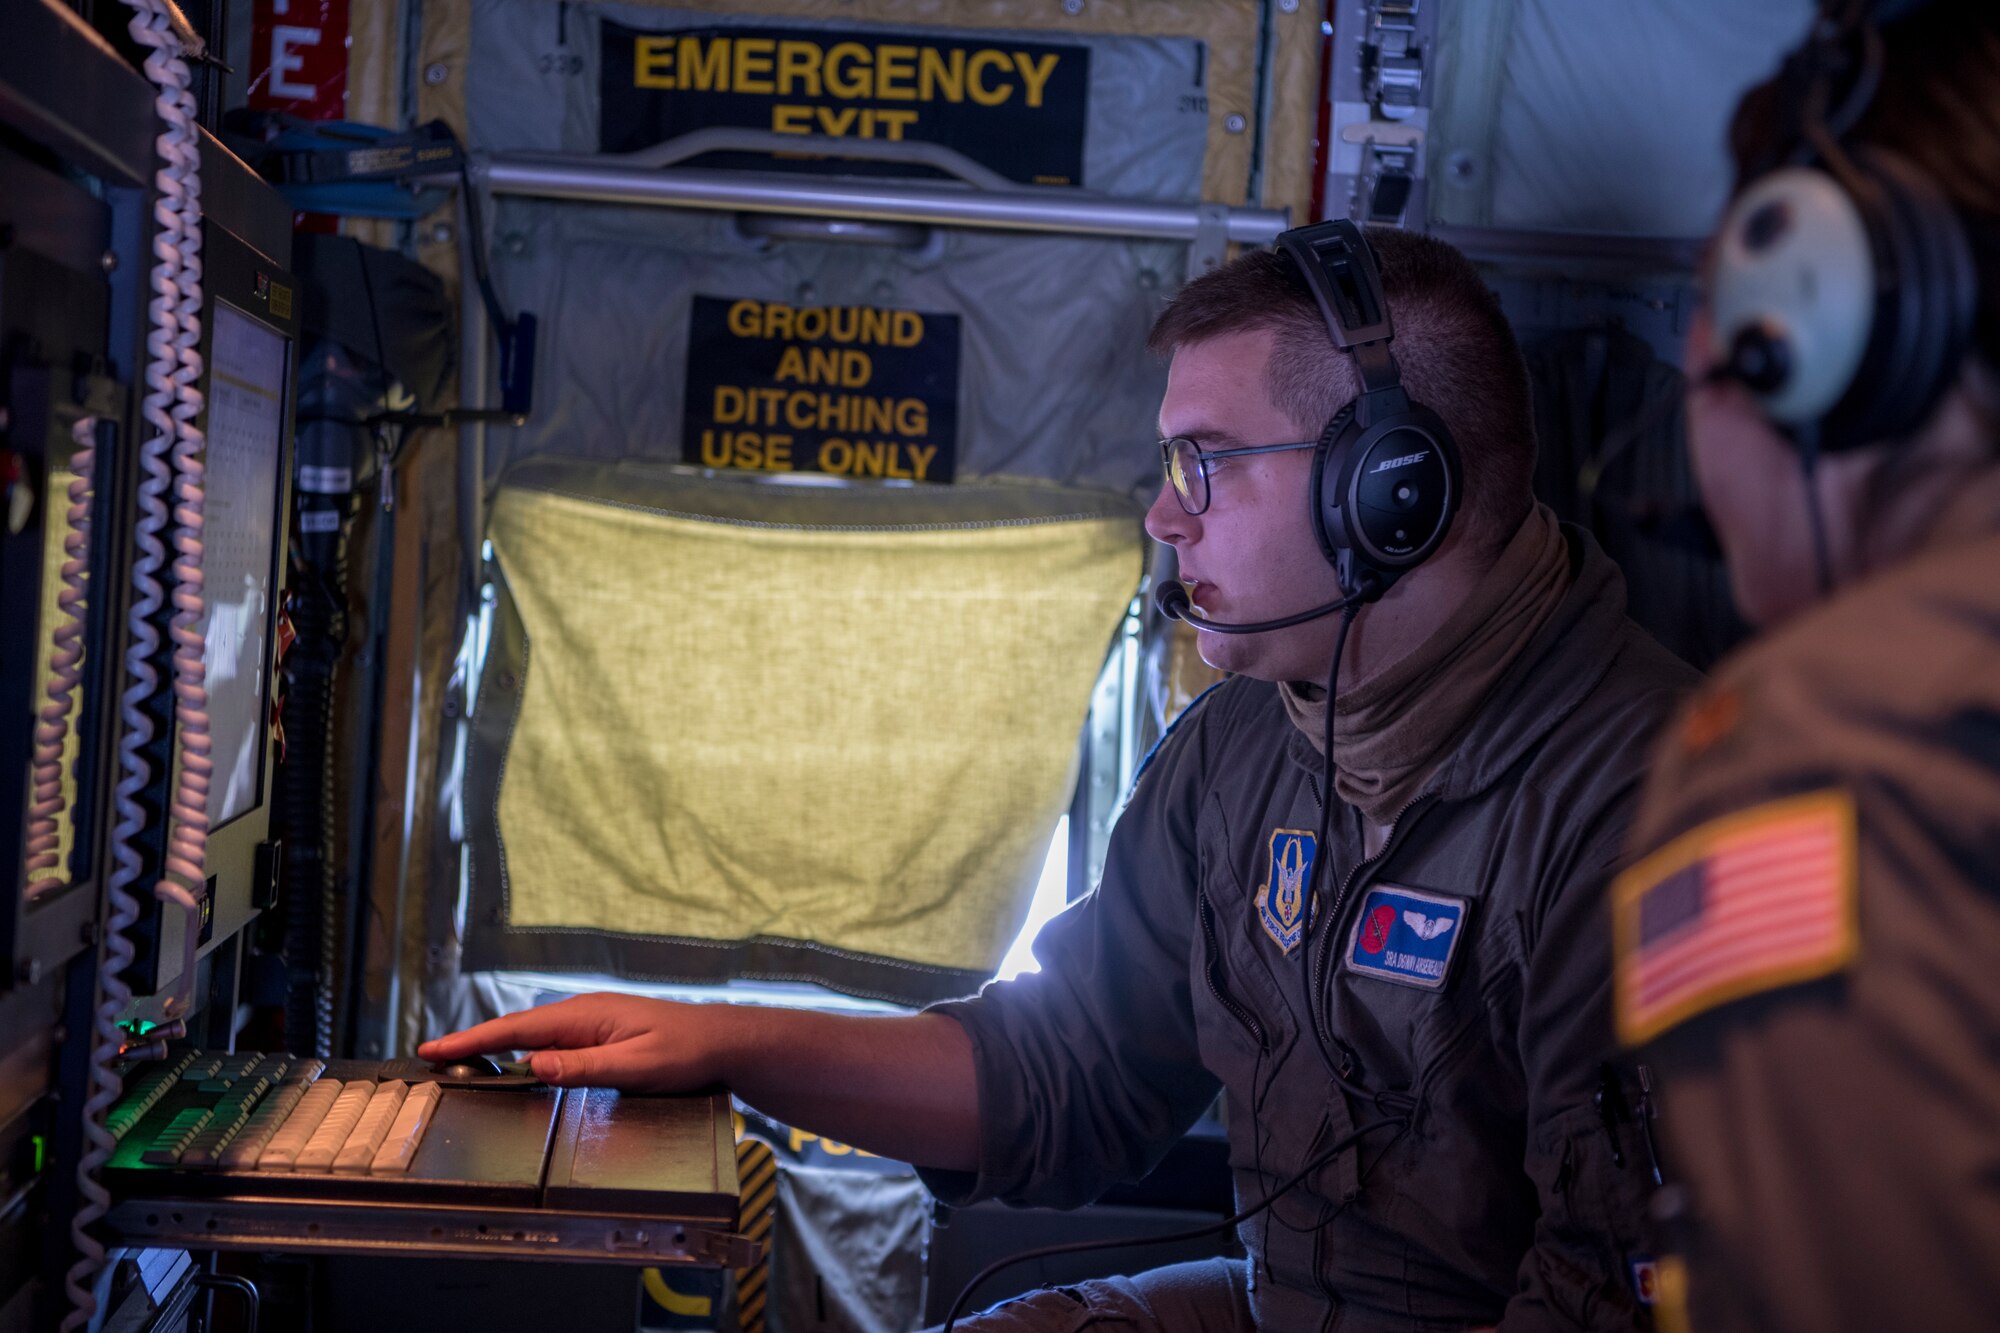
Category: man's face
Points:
column 1252, row 555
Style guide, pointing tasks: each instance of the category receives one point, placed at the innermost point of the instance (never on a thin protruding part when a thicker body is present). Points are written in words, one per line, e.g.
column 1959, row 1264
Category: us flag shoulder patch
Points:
column 1744, row 904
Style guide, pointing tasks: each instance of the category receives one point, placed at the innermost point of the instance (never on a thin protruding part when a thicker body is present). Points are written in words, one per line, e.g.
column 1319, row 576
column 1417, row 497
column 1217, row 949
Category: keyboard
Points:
column 263, row 1113
column 291, row 1153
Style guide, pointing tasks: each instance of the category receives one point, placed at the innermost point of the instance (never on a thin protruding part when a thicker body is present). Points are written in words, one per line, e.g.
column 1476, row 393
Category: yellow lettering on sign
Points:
column 825, row 365
column 800, row 1139
column 753, row 65
column 836, row 122
column 892, row 460
column 703, row 72
column 842, row 84
column 895, row 70
column 893, row 122
column 840, row 324
column 653, row 63
column 792, row 120
column 747, row 450
column 798, row 68
column 940, row 73
column 1035, row 73
column 975, row 85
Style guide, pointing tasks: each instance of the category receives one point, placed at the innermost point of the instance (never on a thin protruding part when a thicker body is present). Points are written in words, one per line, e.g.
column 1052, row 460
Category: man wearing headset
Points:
column 1391, row 958
column 1810, row 953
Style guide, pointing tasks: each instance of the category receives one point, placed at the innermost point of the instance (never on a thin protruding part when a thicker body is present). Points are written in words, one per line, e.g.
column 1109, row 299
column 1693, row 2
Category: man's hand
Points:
column 900, row 1086
column 605, row 1041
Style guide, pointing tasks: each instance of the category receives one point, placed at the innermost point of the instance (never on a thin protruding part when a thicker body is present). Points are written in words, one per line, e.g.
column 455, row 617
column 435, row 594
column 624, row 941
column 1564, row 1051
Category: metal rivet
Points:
column 506, row 680
column 1288, row 6
column 1235, row 124
column 1072, row 6
column 436, row 74
column 441, row 233
column 108, row 261
column 1462, row 166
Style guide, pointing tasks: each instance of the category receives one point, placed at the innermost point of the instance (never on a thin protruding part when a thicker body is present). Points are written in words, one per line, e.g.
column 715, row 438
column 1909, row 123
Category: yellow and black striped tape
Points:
column 757, row 1188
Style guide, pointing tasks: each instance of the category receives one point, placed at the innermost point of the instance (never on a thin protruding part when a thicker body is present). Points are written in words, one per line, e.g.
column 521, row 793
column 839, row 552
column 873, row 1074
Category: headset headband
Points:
column 1339, row 269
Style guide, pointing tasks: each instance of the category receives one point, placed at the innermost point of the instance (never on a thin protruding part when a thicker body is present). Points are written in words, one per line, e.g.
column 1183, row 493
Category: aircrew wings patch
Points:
column 1741, row 905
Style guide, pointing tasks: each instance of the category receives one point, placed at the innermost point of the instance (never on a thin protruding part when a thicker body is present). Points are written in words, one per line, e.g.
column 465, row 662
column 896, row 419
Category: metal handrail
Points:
column 651, row 177
column 740, row 139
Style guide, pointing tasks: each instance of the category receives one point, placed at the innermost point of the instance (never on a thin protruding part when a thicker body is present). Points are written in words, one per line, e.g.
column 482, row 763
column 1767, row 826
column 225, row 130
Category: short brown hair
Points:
column 1458, row 355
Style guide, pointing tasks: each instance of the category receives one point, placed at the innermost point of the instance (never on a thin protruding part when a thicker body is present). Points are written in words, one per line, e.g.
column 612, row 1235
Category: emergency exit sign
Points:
column 298, row 57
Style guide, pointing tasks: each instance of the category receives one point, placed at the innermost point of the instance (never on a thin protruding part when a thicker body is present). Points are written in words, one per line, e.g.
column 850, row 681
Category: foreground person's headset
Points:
column 1386, row 474
column 1843, row 287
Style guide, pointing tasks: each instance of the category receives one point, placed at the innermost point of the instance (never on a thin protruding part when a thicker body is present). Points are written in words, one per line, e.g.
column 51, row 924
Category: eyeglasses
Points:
column 1187, row 466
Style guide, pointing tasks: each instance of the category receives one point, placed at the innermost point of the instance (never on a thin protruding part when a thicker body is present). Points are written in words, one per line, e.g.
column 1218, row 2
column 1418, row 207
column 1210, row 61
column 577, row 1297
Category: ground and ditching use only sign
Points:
column 850, row 391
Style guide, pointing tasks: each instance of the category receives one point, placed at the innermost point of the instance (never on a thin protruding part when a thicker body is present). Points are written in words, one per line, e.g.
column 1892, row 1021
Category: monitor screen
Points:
column 246, row 424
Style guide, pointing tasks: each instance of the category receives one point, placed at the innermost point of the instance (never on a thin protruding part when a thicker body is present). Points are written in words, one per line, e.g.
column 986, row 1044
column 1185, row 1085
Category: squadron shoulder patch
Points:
column 1406, row 936
column 1741, row 905
column 1281, row 899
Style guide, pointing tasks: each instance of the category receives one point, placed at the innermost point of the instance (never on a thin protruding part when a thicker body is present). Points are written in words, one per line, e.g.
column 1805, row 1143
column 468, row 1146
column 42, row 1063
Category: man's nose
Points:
column 1166, row 521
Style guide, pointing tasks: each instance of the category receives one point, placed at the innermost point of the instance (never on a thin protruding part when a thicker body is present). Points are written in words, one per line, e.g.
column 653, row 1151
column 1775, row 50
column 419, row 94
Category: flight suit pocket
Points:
column 1218, row 1005
column 1593, row 1191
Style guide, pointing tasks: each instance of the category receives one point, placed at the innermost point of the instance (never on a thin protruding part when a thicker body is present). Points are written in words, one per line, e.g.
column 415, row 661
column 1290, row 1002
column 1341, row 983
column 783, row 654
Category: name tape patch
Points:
column 1406, row 936
column 1741, row 905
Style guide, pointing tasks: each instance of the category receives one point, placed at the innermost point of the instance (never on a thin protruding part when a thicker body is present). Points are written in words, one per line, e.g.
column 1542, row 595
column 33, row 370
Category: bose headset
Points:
column 1386, row 473
column 1843, row 287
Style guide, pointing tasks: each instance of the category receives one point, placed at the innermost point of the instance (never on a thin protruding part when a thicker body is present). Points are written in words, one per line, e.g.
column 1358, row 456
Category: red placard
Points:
column 298, row 57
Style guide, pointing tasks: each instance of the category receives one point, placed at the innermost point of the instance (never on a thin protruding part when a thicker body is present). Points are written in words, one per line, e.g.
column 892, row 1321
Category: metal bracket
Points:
column 1392, row 64
column 1391, row 136
column 1211, row 239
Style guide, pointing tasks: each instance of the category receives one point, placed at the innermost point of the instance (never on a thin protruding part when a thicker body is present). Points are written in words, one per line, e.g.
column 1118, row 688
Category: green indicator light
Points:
column 41, row 1152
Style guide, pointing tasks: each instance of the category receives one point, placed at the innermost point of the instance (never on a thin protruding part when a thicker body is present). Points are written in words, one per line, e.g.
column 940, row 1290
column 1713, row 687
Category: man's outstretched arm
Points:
column 901, row 1087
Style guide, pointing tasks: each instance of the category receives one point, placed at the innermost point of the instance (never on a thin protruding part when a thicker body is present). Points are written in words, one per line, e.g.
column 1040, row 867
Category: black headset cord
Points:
column 1387, row 1101
column 1806, row 438
column 1339, row 1146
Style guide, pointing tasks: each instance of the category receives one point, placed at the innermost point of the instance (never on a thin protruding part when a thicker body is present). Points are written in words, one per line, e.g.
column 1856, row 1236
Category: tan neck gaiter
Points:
column 1392, row 729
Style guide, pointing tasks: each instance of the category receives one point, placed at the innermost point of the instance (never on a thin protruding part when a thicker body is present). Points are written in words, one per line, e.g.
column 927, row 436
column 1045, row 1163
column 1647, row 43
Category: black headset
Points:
column 1386, row 475
column 1843, row 287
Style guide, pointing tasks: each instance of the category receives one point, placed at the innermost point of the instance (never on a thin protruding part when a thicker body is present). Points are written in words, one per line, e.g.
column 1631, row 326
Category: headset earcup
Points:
column 1325, row 497
column 1926, row 296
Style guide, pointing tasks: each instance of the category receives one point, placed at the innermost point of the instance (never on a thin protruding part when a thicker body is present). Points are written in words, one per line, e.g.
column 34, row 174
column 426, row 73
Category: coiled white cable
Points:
column 186, row 878
column 44, row 847
column 172, row 401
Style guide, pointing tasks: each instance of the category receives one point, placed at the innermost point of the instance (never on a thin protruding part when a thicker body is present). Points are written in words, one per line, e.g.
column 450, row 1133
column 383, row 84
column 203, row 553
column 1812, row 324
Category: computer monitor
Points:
column 250, row 325
column 248, row 373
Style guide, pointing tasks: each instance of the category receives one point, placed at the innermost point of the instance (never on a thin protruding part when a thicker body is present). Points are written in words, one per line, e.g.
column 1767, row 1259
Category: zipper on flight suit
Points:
column 1325, row 942
column 1243, row 1016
